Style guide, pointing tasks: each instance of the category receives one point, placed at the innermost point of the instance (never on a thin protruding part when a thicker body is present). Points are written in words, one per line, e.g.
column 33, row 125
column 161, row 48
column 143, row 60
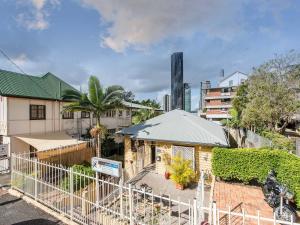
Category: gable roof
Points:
column 226, row 77
column 181, row 127
column 47, row 86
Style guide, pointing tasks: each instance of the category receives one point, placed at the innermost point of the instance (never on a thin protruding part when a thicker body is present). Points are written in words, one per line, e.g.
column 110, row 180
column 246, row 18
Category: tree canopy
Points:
column 268, row 100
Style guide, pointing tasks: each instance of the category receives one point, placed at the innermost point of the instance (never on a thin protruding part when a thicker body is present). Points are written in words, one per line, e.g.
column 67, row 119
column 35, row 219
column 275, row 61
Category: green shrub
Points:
column 181, row 170
column 248, row 165
column 78, row 180
column 279, row 141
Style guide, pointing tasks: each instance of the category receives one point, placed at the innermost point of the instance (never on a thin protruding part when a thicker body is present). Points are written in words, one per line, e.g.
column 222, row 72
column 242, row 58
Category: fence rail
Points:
column 95, row 200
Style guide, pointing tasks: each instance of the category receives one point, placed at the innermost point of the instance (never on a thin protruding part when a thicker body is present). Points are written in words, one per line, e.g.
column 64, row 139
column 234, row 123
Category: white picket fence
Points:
column 95, row 200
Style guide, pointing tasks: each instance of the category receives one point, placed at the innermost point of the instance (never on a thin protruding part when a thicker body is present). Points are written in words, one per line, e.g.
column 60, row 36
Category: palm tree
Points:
column 142, row 115
column 97, row 101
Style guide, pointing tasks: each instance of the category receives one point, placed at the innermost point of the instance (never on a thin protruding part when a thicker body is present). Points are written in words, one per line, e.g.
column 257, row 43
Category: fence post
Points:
column 12, row 164
column 35, row 178
column 71, row 187
column 130, row 205
column 121, row 197
column 195, row 212
column 97, row 189
column 214, row 213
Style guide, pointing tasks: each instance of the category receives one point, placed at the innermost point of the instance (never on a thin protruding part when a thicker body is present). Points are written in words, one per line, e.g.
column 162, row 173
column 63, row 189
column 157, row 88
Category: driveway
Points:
column 15, row 211
column 238, row 197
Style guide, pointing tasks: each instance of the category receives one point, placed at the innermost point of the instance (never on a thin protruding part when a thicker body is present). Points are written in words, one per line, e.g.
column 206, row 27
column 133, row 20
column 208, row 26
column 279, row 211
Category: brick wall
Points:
column 202, row 157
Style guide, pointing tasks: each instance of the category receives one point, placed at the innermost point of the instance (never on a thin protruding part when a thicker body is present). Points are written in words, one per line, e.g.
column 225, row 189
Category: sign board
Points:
column 3, row 150
column 106, row 166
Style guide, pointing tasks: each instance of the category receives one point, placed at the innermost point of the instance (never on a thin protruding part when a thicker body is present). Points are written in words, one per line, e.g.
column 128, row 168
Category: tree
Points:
column 142, row 115
column 96, row 102
column 151, row 103
column 268, row 100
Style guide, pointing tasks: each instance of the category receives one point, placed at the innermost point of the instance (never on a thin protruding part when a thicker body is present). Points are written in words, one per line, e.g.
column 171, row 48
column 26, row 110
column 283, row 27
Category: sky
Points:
column 129, row 42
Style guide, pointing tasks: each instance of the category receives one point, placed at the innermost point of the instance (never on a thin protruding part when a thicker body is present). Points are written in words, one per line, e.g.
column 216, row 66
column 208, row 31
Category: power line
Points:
column 11, row 61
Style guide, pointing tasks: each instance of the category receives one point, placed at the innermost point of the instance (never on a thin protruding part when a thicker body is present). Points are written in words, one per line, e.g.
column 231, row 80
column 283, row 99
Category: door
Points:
column 153, row 153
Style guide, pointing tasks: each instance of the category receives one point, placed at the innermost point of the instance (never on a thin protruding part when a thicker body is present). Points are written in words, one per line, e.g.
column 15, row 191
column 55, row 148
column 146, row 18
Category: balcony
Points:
column 219, row 106
column 220, row 95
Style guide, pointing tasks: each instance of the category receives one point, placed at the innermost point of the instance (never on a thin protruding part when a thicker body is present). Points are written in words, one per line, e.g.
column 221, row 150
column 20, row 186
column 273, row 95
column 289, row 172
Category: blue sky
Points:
column 129, row 42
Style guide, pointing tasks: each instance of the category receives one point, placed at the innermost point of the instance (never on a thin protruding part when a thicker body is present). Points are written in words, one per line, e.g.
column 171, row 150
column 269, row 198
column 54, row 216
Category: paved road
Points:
column 15, row 211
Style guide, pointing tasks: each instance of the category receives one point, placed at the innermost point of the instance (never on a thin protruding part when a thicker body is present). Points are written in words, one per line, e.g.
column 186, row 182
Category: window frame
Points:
column 38, row 116
column 84, row 115
column 70, row 115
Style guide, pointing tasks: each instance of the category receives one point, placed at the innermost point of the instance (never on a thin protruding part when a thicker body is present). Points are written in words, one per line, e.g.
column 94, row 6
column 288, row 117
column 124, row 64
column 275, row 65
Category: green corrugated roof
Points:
column 47, row 86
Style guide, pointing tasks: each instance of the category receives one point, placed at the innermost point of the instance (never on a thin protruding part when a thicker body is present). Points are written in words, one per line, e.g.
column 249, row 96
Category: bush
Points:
column 181, row 171
column 279, row 141
column 78, row 181
column 247, row 165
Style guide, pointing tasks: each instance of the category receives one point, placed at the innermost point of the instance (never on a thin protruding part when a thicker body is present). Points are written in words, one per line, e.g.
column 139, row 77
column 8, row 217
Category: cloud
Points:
column 141, row 23
column 35, row 18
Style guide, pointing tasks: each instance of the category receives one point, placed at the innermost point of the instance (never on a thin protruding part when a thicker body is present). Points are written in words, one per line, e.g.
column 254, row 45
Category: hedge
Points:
column 247, row 165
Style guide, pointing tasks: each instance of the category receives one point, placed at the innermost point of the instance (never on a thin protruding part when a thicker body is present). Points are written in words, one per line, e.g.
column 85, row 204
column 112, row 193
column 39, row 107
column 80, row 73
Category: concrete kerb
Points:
column 42, row 207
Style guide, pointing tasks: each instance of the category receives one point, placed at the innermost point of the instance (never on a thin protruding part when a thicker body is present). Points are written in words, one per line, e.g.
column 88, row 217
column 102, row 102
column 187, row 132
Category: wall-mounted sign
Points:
column 3, row 150
column 106, row 166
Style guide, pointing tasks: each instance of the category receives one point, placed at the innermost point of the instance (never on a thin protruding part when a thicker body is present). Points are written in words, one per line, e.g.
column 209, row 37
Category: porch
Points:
column 157, row 184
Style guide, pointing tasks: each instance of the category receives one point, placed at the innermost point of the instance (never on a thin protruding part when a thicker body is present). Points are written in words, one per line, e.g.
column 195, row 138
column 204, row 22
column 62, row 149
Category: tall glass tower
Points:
column 187, row 97
column 177, row 81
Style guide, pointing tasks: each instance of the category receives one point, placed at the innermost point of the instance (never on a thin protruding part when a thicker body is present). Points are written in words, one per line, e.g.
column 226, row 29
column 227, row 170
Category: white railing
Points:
column 93, row 200
column 217, row 216
column 89, row 199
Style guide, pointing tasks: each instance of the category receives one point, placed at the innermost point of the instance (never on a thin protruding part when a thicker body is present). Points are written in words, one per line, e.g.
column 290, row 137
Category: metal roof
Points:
column 47, row 86
column 181, row 127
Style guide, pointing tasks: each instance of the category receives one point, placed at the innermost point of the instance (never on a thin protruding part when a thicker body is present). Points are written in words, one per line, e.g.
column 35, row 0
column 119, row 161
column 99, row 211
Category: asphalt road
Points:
column 15, row 211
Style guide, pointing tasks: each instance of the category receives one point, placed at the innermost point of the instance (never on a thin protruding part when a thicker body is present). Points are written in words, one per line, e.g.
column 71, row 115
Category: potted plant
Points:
column 181, row 172
column 167, row 161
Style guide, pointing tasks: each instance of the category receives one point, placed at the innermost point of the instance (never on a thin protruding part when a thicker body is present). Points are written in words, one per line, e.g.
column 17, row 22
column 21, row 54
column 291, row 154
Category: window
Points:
column 225, row 90
column 111, row 113
column 85, row 114
column 68, row 115
column 127, row 113
column 1, row 140
column 32, row 151
column 230, row 83
column 120, row 113
column 37, row 112
column 111, row 131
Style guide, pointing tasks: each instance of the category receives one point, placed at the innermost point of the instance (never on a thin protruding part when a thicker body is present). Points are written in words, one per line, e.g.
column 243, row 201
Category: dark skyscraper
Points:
column 177, row 80
column 187, row 97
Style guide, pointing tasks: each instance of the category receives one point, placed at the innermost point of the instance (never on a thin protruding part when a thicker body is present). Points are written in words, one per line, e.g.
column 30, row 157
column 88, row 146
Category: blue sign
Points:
column 106, row 166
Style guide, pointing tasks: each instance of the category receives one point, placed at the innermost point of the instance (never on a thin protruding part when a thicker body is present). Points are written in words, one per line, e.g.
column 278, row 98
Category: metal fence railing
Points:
column 94, row 200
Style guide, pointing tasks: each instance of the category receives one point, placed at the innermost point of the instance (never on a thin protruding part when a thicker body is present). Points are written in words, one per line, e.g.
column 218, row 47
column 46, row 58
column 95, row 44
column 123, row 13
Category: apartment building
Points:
column 216, row 101
column 30, row 114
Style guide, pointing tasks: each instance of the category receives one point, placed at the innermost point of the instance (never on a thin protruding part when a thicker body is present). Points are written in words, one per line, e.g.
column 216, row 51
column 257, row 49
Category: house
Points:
column 31, row 118
column 217, row 101
column 171, row 133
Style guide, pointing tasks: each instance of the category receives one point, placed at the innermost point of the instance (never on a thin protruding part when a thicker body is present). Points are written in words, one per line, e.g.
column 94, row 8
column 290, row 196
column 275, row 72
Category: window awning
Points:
column 47, row 141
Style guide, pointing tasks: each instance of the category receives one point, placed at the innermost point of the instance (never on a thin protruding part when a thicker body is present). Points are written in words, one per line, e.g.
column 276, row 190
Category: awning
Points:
column 47, row 141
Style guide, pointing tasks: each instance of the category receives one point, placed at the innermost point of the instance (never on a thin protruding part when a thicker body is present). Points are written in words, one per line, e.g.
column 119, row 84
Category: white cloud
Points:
column 141, row 23
column 35, row 18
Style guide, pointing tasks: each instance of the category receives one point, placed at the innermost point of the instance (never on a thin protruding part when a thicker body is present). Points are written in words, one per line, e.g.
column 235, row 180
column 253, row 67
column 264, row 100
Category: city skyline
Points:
column 67, row 39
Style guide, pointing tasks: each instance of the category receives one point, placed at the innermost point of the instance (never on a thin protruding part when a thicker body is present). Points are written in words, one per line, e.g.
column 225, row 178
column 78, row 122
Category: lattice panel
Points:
column 187, row 153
